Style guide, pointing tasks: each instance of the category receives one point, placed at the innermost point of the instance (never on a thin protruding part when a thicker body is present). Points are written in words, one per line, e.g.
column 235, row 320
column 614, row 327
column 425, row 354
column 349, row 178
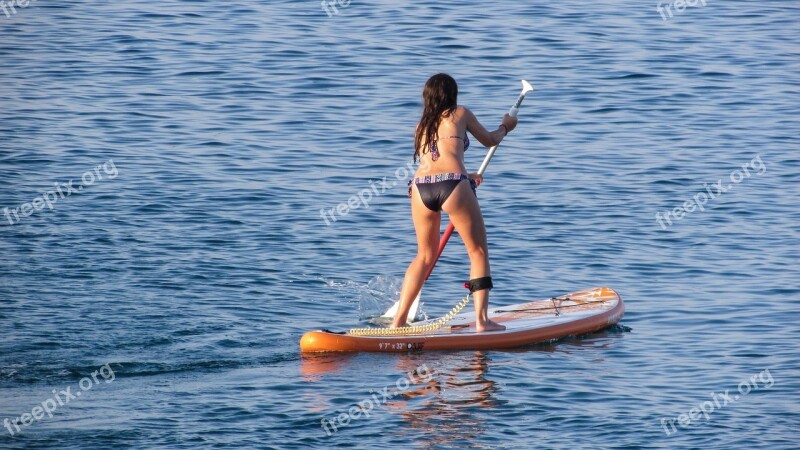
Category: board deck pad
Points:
column 526, row 323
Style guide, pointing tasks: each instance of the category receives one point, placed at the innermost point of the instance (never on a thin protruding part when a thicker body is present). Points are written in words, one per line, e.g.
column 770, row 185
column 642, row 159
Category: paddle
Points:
column 526, row 87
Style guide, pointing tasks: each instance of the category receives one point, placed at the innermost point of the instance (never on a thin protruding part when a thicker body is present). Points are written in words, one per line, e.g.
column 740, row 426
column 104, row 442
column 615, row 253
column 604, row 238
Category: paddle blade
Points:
column 412, row 313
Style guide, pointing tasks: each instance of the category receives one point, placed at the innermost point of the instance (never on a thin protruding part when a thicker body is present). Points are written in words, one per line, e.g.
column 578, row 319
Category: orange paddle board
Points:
column 526, row 323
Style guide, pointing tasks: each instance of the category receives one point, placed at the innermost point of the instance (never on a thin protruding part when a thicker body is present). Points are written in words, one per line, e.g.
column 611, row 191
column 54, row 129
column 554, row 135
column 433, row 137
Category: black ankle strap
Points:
column 479, row 284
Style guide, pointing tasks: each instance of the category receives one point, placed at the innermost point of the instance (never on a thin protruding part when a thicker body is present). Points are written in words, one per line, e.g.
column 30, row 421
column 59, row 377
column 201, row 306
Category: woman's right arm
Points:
column 484, row 136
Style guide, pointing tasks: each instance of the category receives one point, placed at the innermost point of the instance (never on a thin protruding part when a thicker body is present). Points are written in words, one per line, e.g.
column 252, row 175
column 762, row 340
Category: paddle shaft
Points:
column 450, row 227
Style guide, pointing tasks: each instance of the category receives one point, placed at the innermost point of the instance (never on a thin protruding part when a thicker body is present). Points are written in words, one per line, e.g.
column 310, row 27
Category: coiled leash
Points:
column 476, row 284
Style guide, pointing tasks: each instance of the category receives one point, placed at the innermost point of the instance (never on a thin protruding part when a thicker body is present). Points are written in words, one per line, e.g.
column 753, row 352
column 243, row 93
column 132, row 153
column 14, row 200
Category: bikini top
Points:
column 435, row 148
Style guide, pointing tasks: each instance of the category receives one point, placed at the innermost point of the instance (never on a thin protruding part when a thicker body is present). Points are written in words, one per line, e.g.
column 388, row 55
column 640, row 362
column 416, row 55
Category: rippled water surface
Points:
column 187, row 267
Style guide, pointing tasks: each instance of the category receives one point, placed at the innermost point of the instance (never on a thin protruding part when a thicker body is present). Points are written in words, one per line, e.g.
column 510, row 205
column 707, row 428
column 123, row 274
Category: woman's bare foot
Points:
column 398, row 323
column 489, row 326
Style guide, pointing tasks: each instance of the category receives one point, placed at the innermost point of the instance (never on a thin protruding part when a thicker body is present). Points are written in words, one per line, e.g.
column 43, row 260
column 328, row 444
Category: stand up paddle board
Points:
column 526, row 323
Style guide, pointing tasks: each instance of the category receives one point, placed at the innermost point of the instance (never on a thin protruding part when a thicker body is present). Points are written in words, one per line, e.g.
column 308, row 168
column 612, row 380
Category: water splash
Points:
column 374, row 297
column 378, row 295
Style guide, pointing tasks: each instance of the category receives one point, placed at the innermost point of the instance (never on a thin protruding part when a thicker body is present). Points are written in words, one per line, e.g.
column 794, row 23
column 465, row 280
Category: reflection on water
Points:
column 314, row 365
column 461, row 385
column 453, row 405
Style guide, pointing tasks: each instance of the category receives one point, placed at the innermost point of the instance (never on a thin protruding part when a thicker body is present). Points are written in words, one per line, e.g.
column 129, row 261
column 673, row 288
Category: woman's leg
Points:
column 426, row 224
column 465, row 214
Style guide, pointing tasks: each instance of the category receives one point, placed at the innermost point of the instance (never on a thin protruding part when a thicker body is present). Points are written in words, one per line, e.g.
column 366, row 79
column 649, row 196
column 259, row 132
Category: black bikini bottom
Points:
column 435, row 189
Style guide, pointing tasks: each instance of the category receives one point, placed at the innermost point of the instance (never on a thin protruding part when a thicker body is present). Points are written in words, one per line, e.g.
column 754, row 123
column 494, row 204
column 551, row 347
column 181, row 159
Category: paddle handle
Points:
column 511, row 112
column 515, row 109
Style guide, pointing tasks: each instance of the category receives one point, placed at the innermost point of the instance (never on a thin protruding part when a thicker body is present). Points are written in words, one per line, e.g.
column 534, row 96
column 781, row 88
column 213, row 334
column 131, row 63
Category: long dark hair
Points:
column 439, row 99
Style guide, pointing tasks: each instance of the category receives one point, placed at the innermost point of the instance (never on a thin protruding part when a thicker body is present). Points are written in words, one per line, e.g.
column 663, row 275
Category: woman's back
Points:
column 447, row 153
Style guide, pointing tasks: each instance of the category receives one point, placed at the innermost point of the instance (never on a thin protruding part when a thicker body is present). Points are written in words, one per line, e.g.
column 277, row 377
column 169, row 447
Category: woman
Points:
column 443, row 184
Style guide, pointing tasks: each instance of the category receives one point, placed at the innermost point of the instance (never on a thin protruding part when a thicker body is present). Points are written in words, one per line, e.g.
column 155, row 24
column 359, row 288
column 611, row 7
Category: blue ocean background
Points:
column 193, row 272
